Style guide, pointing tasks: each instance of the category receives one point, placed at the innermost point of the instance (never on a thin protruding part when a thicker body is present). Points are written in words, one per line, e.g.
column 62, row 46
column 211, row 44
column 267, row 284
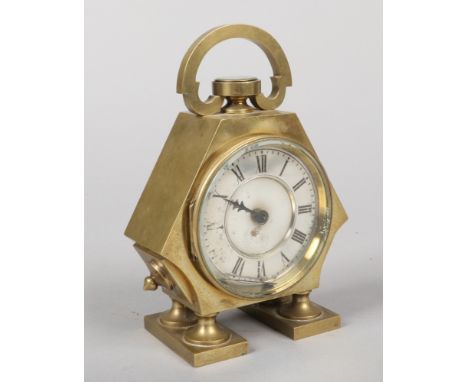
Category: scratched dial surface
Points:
column 257, row 218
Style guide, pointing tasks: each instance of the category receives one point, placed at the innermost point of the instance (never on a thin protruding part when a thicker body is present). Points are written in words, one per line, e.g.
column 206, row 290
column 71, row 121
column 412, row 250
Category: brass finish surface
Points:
column 299, row 308
column 206, row 332
column 188, row 85
column 237, row 91
column 159, row 274
column 178, row 163
column 294, row 329
column 236, row 87
column 149, row 283
column 237, row 105
column 196, row 355
column 178, row 316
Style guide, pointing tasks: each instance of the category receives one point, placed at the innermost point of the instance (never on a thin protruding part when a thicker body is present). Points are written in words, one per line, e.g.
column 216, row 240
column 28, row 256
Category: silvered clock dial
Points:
column 261, row 218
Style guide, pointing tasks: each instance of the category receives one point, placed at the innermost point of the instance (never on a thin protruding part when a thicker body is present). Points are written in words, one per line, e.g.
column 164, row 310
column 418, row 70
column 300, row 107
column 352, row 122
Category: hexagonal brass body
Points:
column 160, row 223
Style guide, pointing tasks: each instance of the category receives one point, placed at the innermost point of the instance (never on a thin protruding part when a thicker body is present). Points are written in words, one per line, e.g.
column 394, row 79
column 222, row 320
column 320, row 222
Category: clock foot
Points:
column 201, row 341
column 178, row 316
column 296, row 317
column 207, row 332
column 300, row 308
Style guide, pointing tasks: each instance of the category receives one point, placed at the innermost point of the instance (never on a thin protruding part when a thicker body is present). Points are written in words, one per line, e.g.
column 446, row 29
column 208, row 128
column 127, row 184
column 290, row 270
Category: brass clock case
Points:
column 161, row 223
column 164, row 224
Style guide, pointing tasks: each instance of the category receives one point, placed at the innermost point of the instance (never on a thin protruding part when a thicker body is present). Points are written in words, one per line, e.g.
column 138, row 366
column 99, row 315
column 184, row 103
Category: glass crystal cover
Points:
column 257, row 218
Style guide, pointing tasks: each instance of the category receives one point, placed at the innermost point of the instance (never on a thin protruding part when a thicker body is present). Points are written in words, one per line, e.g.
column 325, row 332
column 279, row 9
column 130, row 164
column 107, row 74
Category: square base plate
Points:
column 195, row 355
column 295, row 329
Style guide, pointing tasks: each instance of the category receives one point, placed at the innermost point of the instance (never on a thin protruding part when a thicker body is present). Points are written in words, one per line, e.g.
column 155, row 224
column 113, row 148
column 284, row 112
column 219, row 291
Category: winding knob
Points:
column 236, row 87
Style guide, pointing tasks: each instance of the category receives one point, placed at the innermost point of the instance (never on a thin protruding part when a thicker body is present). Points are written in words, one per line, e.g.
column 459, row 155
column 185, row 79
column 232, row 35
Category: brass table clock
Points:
column 237, row 213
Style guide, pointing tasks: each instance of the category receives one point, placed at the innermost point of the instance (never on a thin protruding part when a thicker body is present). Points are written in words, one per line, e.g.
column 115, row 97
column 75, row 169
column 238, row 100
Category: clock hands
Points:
column 239, row 206
column 258, row 216
column 235, row 204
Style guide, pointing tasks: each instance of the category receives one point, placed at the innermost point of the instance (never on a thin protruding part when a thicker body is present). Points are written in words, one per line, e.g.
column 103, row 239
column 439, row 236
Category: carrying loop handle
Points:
column 187, row 79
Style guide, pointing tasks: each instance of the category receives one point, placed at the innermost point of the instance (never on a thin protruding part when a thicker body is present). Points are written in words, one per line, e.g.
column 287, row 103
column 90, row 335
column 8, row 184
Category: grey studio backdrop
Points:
column 132, row 53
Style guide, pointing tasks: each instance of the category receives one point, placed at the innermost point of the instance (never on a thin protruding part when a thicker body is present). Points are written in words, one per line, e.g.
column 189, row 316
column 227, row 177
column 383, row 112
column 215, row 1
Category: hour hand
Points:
column 257, row 215
column 234, row 203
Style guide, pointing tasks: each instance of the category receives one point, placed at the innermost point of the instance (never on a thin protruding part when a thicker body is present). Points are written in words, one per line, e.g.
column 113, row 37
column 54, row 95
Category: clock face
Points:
column 259, row 216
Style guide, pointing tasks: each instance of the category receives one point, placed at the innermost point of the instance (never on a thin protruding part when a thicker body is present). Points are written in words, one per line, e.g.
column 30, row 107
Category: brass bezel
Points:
column 318, row 241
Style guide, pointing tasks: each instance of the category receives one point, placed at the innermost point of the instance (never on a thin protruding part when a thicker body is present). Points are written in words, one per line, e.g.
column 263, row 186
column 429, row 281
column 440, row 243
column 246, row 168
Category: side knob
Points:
column 149, row 283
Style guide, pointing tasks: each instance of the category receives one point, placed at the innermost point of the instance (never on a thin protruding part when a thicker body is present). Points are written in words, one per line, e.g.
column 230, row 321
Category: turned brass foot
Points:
column 295, row 316
column 178, row 316
column 206, row 332
column 197, row 352
column 299, row 308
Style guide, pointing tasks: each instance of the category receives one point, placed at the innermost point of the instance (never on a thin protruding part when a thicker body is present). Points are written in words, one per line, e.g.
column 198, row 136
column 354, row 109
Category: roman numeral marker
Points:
column 261, row 163
column 238, row 267
column 261, row 269
column 283, row 256
column 284, row 166
column 304, row 209
column 299, row 236
column 238, row 173
column 299, row 184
